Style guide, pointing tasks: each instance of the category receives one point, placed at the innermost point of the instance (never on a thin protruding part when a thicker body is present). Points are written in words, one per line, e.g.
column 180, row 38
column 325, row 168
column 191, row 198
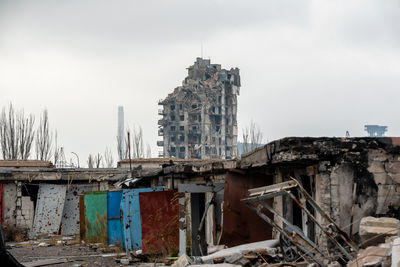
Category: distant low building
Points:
column 375, row 130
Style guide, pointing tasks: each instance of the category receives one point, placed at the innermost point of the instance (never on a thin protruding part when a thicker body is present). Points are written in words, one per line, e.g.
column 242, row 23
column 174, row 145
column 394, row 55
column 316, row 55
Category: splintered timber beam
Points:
column 258, row 195
column 272, row 188
column 283, row 232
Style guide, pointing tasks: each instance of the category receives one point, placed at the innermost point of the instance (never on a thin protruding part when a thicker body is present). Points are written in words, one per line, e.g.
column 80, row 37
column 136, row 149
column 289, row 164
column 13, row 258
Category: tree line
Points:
column 20, row 139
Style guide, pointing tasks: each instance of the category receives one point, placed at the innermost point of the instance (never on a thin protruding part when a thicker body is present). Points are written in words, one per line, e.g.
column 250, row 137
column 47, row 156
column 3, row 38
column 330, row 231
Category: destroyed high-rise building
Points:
column 199, row 118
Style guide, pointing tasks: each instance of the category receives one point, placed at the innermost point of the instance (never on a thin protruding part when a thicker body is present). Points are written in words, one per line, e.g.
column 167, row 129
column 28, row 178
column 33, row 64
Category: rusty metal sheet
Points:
column 70, row 218
column 159, row 212
column 49, row 208
column 95, row 205
column 132, row 228
column 240, row 225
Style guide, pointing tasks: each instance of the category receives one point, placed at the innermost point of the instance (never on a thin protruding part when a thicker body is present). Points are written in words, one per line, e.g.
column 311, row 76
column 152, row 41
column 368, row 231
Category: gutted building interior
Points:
column 199, row 118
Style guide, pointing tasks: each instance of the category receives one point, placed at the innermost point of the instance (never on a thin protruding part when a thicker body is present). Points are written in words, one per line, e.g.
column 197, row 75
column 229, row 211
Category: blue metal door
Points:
column 114, row 219
column 130, row 208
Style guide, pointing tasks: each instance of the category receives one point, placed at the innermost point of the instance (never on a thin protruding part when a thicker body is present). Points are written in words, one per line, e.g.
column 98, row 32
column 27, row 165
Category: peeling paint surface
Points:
column 131, row 217
column 49, row 209
column 70, row 217
column 114, row 219
column 160, row 222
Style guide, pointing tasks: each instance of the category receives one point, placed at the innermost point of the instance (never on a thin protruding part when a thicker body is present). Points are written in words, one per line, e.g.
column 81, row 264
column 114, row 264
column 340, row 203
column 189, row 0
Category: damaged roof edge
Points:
column 309, row 149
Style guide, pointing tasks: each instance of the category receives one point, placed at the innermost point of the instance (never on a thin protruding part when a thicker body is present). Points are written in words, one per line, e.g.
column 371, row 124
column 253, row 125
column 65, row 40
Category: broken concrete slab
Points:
column 183, row 261
column 396, row 252
column 373, row 230
column 262, row 245
column 372, row 256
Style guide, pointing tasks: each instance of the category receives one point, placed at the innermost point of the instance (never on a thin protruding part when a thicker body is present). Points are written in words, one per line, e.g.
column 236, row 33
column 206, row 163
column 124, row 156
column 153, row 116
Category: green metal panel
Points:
column 95, row 217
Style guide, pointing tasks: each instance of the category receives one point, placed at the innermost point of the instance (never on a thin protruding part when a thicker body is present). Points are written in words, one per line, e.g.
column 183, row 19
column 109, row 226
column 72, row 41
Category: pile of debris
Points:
column 379, row 243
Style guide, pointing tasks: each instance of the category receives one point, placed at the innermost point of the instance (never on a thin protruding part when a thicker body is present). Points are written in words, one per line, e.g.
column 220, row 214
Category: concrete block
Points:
column 396, row 252
column 382, row 178
column 371, row 256
column 183, row 261
column 373, row 231
column 393, row 167
column 395, row 177
column 376, row 167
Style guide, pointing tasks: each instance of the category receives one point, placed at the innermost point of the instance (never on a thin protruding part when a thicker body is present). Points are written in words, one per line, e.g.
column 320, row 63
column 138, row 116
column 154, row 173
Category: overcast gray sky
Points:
column 308, row 68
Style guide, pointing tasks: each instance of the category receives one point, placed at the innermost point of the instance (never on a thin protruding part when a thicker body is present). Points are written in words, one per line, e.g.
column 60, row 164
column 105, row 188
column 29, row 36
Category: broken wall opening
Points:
column 240, row 224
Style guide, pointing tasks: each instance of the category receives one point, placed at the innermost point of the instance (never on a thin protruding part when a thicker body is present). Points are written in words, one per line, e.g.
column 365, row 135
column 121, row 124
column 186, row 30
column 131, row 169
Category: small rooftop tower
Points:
column 375, row 130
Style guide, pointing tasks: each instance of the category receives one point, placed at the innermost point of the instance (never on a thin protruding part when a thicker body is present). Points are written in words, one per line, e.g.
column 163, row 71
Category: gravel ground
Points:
column 76, row 255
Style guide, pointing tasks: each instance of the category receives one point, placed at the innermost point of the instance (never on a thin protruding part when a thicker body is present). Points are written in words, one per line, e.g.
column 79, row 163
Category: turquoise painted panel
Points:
column 95, row 204
column 130, row 208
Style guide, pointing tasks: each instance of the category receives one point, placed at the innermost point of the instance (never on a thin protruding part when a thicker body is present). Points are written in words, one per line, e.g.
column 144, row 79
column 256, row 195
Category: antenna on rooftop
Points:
column 201, row 49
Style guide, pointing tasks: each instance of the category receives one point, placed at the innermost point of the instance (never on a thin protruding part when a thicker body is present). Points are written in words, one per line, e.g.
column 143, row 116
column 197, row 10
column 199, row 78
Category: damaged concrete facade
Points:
column 199, row 119
column 36, row 194
column 349, row 178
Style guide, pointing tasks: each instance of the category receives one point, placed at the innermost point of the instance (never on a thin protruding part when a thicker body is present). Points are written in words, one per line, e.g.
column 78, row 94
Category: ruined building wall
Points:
column 328, row 169
column 199, row 118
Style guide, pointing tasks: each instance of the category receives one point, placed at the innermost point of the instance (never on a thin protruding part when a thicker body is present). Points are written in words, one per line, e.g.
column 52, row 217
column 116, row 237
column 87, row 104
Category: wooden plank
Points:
column 272, row 188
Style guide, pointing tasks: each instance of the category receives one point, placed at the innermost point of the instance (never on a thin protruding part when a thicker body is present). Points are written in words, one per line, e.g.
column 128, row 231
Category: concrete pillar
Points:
column 396, row 252
column 323, row 199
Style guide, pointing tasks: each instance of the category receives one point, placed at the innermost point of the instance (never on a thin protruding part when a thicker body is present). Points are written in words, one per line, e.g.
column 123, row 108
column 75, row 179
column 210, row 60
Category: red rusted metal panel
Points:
column 241, row 225
column 159, row 212
column 1, row 204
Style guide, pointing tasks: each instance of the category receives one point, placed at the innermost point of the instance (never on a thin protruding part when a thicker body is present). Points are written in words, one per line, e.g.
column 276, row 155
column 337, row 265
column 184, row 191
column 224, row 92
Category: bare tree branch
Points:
column 148, row 151
column 16, row 134
column 26, row 134
column 98, row 160
column 57, row 150
column 121, row 152
column 138, row 149
column 108, row 158
column 43, row 138
column 252, row 137
column 90, row 161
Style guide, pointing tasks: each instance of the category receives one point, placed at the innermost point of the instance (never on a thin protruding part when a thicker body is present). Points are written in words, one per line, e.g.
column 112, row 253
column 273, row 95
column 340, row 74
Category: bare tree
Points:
column 57, row 150
column 90, row 161
column 252, row 137
column 138, row 148
column 108, row 158
column 43, row 138
column 246, row 140
column 8, row 132
column 148, row 151
column 25, row 134
column 135, row 148
column 16, row 133
column 98, row 160
column 121, row 153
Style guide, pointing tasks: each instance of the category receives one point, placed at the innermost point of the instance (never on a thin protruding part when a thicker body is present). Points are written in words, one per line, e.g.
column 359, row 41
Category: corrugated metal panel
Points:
column 70, row 218
column 49, row 208
column 114, row 219
column 95, row 205
column 131, row 217
column 160, row 222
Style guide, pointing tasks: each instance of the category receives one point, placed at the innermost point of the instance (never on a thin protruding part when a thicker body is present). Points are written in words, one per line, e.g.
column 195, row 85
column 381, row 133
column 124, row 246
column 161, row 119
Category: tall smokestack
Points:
column 121, row 143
